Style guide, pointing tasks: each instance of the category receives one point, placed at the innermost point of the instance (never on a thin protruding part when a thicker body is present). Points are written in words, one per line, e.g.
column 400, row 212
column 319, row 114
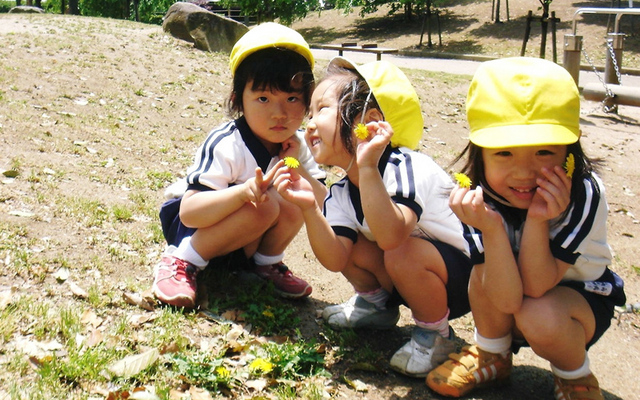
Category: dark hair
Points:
column 474, row 169
column 352, row 92
column 272, row 68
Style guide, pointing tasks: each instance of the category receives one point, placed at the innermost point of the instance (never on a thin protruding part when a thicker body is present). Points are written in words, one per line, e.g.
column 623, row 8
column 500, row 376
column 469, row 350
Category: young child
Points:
column 387, row 226
column 229, row 203
column 536, row 223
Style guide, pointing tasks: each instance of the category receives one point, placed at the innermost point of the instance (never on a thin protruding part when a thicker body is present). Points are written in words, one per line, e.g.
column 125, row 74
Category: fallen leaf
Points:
column 77, row 290
column 199, row 394
column 137, row 300
column 256, row 384
column 94, row 339
column 133, row 365
column 356, row 384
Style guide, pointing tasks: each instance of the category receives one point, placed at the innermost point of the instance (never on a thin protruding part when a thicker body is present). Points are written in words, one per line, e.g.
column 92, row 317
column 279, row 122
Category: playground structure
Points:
column 612, row 92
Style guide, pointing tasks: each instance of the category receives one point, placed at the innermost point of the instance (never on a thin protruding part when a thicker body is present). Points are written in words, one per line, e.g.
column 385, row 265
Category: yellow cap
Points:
column 268, row 35
column 396, row 97
column 523, row 101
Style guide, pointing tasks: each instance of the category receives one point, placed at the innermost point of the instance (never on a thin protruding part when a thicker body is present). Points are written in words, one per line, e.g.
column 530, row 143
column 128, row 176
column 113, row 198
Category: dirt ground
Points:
column 102, row 113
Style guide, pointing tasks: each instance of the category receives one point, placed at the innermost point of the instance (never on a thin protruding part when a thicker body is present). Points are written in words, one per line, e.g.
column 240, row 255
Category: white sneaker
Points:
column 359, row 313
column 424, row 352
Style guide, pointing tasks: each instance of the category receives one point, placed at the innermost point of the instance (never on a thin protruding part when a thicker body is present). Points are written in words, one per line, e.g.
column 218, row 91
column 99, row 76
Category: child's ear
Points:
column 373, row 114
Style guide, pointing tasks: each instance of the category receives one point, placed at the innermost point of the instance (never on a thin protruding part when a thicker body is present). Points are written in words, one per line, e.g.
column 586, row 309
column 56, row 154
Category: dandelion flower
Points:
column 291, row 162
column 260, row 365
column 268, row 314
column 361, row 131
column 223, row 372
column 463, row 180
column 570, row 165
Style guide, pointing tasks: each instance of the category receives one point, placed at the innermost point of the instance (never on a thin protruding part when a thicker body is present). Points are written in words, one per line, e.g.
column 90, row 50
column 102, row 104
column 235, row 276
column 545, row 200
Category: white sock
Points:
column 581, row 372
column 261, row 259
column 500, row 346
column 441, row 326
column 187, row 253
column 377, row 297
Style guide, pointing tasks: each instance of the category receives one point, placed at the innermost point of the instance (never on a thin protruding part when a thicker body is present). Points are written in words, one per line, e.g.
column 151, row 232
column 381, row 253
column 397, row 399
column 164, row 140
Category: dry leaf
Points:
column 94, row 339
column 199, row 394
column 62, row 274
column 133, row 365
column 77, row 290
column 137, row 300
column 256, row 384
column 355, row 384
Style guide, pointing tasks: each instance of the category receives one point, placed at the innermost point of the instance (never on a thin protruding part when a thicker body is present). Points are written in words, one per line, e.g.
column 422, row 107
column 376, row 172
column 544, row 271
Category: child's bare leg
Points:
column 365, row 270
column 490, row 322
column 419, row 273
column 284, row 229
column 557, row 326
column 239, row 229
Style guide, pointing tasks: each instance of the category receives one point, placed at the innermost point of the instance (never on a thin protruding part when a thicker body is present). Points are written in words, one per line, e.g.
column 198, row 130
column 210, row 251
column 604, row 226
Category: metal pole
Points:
column 571, row 59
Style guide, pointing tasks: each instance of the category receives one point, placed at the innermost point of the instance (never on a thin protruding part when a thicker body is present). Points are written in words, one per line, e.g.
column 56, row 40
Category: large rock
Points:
column 206, row 30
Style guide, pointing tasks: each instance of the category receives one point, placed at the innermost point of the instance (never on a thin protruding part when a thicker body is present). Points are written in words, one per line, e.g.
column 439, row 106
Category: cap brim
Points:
column 524, row 135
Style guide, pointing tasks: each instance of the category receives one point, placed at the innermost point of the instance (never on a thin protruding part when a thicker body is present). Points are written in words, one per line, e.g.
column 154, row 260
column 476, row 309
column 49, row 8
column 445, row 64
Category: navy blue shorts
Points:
column 602, row 295
column 172, row 228
column 459, row 270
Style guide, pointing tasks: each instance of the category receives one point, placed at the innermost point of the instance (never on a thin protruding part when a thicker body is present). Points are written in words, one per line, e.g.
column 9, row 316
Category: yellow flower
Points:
column 570, row 165
column 260, row 365
column 361, row 131
column 291, row 162
column 268, row 314
column 463, row 180
column 223, row 372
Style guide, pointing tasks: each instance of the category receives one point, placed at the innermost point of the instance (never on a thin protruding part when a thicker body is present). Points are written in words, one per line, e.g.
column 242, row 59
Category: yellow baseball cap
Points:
column 268, row 35
column 396, row 97
column 523, row 101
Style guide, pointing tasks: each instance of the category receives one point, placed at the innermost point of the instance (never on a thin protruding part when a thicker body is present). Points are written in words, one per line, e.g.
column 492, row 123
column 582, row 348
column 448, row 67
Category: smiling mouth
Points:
column 315, row 142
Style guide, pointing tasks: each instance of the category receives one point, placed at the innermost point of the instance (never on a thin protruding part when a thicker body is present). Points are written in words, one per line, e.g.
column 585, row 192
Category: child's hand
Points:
column 290, row 147
column 294, row 188
column 471, row 209
column 370, row 149
column 553, row 195
column 256, row 188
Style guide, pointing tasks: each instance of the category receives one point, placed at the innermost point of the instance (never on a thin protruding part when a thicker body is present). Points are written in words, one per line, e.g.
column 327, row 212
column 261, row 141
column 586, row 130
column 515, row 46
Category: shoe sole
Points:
column 449, row 391
column 176, row 301
column 295, row 296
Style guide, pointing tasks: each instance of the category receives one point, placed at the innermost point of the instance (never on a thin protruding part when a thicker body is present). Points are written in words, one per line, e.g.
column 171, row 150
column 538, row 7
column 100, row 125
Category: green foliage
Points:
column 152, row 11
column 294, row 360
column 5, row 6
column 286, row 11
column 200, row 370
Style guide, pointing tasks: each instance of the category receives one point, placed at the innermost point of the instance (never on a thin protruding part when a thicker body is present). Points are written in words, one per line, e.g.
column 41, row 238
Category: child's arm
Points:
column 540, row 270
column 331, row 250
column 200, row 209
column 499, row 274
column 390, row 223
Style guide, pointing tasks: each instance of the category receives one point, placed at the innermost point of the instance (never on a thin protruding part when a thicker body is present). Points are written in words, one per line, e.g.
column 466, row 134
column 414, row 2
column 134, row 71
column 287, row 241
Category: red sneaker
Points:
column 175, row 282
column 286, row 284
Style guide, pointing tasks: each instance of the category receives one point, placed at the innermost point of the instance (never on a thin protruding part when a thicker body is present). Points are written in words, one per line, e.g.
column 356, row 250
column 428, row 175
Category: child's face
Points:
column 512, row 172
column 273, row 116
column 323, row 132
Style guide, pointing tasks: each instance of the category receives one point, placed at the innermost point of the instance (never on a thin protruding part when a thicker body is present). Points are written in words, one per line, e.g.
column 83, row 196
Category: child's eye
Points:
column 263, row 99
column 293, row 99
column 545, row 153
column 503, row 153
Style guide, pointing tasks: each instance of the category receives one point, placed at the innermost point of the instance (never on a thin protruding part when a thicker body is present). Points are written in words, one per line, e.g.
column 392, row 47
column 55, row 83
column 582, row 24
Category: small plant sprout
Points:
column 463, row 180
column 291, row 162
column 361, row 131
column 570, row 165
